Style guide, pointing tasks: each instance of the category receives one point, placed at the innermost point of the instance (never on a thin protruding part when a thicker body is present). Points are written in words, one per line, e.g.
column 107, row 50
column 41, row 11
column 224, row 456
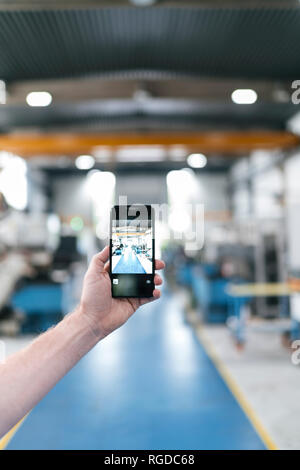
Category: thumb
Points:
column 99, row 260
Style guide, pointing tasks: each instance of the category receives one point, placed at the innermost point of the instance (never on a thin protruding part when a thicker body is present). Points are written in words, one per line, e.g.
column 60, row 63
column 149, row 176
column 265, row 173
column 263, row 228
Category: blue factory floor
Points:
column 150, row 385
column 129, row 263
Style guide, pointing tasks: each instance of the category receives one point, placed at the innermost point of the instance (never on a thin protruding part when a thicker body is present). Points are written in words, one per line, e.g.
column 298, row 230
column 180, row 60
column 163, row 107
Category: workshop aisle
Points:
column 129, row 263
column 150, row 385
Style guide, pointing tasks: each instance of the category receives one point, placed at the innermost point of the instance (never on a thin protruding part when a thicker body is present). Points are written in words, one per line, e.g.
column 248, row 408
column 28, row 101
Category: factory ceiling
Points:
column 251, row 43
column 172, row 66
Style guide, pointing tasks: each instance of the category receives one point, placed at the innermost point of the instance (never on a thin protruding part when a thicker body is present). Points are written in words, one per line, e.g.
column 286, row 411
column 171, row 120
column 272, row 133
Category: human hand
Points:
column 102, row 311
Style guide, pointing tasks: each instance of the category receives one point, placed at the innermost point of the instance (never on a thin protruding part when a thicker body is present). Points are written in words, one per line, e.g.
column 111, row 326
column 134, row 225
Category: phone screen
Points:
column 132, row 251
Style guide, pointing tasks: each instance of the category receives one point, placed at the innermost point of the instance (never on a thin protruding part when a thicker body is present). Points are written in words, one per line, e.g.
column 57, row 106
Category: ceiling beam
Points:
column 29, row 145
column 74, row 4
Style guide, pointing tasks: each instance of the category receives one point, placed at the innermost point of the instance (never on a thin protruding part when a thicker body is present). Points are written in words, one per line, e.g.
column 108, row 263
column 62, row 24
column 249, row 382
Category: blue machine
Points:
column 209, row 290
column 184, row 274
column 211, row 296
column 41, row 304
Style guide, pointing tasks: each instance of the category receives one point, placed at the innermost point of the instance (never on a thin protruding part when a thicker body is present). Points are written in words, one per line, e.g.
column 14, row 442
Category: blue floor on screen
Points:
column 150, row 385
column 129, row 264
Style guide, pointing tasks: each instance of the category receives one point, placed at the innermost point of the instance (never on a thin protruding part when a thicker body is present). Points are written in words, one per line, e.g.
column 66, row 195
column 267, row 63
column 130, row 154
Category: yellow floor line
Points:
column 7, row 438
column 235, row 389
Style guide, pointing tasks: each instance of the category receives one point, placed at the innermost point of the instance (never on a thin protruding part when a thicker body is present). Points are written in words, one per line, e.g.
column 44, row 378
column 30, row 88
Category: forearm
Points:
column 26, row 377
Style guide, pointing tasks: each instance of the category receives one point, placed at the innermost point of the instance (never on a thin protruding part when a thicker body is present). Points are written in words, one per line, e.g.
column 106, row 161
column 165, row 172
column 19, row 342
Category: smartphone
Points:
column 132, row 251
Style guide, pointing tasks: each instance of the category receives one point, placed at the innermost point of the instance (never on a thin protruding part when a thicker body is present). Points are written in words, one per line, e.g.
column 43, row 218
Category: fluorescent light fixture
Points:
column 197, row 160
column 39, row 98
column 142, row 3
column 293, row 124
column 2, row 92
column 102, row 153
column 179, row 220
column 85, row 162
column 182, row 186
column 141, row 154
column 53, row 224
column 177, row 153
column 100, row 185
column 13, row 182
column 244, row 96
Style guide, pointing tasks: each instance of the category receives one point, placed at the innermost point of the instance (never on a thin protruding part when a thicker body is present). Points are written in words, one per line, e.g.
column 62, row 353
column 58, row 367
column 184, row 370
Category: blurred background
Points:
column 184, row 104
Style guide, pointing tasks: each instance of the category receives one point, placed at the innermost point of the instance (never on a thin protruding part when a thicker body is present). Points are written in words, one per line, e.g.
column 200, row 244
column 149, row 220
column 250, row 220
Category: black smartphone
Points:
column 132, row 251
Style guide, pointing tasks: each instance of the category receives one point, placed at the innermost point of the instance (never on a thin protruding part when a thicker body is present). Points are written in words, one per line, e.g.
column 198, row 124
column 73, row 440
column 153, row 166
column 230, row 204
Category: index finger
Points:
column 159, row 264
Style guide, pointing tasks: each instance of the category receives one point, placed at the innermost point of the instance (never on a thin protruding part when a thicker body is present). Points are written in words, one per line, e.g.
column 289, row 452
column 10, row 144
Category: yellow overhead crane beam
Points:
column 72, row 144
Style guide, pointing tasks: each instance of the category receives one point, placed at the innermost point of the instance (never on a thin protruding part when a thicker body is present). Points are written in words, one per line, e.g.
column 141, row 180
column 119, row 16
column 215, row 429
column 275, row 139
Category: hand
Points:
column 105, row 313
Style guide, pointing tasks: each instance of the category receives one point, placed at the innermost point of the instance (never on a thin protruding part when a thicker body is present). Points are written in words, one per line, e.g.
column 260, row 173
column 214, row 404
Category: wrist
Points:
column 86, row 321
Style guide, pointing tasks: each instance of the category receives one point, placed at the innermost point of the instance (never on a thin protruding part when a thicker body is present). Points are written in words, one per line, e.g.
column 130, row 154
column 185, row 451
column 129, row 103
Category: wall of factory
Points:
column 292, row 200
column 257, row 186
column 213, row 191
column 143, row 188
column 70, row 194
column 71, row 197
column 37, row 190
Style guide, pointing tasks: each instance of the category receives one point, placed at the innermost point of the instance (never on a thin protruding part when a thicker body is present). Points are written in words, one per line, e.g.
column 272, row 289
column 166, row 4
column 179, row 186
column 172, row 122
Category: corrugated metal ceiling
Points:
column 237, row 42
column 151, row 43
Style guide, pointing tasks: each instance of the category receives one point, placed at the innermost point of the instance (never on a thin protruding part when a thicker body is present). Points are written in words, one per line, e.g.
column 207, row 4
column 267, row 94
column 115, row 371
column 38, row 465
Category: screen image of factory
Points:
column 131, row 247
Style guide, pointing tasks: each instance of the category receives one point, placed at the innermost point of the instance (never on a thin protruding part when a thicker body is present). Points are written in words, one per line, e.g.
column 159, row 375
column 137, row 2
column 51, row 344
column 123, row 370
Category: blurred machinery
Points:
column 33, row 270
column 237, row 252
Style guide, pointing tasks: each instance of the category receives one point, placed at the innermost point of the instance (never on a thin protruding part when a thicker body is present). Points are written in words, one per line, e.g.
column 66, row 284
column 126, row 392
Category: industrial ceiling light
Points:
column 2, row 92
column 39, row 98
column 197, row 160
column 141, row 153
column 13, row 182
column 244, row 96
column 85, row 162
column 142, row 3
